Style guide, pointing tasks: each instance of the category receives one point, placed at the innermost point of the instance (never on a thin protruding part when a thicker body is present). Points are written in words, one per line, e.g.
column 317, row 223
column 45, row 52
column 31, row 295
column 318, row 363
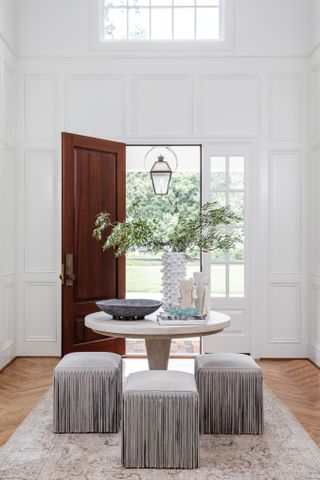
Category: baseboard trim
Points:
column 7, row 364
column 314, row 353
column 8, row 353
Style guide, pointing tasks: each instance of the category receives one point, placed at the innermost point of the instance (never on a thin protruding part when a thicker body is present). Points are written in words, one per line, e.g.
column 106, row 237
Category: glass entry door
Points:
column 226, row 179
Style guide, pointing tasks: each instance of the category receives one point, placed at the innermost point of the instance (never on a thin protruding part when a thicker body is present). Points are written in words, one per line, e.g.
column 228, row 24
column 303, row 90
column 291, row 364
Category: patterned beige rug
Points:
column 284, row 452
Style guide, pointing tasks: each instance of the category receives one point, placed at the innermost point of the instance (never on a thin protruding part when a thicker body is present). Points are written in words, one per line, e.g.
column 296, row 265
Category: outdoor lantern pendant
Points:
column 161, row 174
column 162, row 170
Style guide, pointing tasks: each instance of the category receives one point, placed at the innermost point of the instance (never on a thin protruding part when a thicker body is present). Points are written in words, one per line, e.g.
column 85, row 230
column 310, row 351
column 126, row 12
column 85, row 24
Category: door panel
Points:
column 90, row 169
column 225, row 178
column 93, row 181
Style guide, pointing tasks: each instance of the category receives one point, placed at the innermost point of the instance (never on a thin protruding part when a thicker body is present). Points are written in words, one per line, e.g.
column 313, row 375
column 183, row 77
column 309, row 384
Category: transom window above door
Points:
column 162, row 20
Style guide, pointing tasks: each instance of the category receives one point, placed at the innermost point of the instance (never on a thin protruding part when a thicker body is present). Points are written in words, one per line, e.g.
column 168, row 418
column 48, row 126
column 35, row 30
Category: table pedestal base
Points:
column 158, row 353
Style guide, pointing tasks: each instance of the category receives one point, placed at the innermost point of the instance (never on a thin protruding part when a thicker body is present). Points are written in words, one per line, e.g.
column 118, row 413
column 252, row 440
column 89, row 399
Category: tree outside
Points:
column 143, row 267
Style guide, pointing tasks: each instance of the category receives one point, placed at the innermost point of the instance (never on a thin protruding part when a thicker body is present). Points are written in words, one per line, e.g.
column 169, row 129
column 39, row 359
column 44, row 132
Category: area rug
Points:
column 284, row 452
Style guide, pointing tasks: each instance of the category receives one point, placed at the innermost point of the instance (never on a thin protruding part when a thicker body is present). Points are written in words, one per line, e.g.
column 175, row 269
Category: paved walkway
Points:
column 183, row 346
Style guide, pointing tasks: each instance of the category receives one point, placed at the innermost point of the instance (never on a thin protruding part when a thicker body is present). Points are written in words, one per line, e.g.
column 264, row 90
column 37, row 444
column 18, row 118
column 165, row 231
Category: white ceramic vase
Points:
column 173, row 270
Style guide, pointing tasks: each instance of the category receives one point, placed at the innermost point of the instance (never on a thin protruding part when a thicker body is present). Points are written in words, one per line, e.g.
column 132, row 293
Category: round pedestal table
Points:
column 157, row 337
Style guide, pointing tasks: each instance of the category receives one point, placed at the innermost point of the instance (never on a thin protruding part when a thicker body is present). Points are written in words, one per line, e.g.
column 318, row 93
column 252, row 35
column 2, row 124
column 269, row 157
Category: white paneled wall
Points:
column 41, row 211
column 95, row 97
column 314, row 153
column 230, row 105
column 257, row 103
column 8, row 192
column 284, row 212
column 284, row 202
column 254, row 94
column 162, row 104
column 40, row 123
column 285, row 104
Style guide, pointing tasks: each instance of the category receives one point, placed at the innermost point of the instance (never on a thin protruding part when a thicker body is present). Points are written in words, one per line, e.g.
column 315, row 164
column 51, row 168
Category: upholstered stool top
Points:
column 160, row 381
column 226, row 360
column 87, row 360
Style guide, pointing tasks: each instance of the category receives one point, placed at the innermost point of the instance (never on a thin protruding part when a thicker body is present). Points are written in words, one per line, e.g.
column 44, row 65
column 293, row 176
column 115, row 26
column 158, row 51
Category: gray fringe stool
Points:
column 160, row 420
column 87, row 393
column 230, row 390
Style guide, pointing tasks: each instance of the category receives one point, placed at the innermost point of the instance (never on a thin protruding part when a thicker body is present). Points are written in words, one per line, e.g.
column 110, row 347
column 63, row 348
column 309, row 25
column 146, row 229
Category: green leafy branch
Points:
column 204, row 230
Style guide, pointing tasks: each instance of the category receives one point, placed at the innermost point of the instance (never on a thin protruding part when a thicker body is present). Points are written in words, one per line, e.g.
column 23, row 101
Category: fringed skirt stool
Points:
column 87, row 393
column 160, row 425
column 230, row 390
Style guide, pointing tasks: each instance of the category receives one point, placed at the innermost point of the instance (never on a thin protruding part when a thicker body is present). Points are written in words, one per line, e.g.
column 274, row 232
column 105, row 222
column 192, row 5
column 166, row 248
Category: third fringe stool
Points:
column 230, row 390
column 160, row 427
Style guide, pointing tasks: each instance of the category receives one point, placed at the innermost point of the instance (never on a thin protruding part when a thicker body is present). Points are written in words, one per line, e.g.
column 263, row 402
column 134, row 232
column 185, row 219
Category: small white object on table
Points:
column 157, row 337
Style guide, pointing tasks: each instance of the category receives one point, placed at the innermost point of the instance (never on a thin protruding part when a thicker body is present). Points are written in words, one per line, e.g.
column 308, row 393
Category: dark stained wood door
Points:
column 93, row 180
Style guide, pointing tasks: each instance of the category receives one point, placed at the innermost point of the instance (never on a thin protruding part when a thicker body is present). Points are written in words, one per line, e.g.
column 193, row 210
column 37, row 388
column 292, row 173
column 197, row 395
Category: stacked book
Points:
column 179, row 316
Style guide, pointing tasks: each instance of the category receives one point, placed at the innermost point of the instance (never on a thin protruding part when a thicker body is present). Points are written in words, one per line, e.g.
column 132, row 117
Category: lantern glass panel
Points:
column 160, row 182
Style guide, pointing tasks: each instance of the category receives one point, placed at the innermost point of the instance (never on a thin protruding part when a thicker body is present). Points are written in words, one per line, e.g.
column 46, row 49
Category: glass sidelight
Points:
column 227, row 187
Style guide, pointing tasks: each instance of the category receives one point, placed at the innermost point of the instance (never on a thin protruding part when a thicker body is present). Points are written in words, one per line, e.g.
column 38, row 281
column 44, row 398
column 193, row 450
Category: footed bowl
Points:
column 129, row 309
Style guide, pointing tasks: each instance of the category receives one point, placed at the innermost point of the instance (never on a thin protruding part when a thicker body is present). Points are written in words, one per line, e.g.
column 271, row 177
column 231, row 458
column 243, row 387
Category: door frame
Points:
column 253, row 263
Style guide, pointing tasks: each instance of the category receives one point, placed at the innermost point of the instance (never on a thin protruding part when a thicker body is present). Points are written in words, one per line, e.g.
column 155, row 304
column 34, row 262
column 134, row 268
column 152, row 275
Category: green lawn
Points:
column 147, row 278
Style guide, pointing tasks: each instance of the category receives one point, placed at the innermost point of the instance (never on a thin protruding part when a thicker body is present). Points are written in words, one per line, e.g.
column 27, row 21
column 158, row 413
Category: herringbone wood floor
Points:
column 295, row 382
column 22, row 384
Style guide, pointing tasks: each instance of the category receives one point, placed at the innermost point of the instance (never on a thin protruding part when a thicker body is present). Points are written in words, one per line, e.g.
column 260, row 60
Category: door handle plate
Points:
column 70, row 276
column 61, row 276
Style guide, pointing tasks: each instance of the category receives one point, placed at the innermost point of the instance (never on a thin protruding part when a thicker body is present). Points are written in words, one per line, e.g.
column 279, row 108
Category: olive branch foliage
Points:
column 203, row 230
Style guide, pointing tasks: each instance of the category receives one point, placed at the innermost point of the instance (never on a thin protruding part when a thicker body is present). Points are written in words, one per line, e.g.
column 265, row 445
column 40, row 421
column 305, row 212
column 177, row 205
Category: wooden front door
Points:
column 93, row 173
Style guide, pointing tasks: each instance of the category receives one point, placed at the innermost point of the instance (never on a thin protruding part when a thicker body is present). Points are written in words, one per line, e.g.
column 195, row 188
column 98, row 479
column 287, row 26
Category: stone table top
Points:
column 104, row 324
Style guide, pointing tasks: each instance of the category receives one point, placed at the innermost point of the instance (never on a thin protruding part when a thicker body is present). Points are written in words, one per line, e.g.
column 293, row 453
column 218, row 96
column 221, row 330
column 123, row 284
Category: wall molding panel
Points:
column 230, row 105
column 285, row 104
column 9, row 102
column 40, row 302
column 284, row 313
column 315, row 105
column 41, row 211
column 9, row 225
column 284, row 212
column 40, row 123
column 162, row 103
column 315, row 207
column 98, row 97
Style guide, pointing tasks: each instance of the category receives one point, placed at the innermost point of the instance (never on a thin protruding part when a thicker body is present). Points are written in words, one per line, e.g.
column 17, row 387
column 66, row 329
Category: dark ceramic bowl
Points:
column 129, row 309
